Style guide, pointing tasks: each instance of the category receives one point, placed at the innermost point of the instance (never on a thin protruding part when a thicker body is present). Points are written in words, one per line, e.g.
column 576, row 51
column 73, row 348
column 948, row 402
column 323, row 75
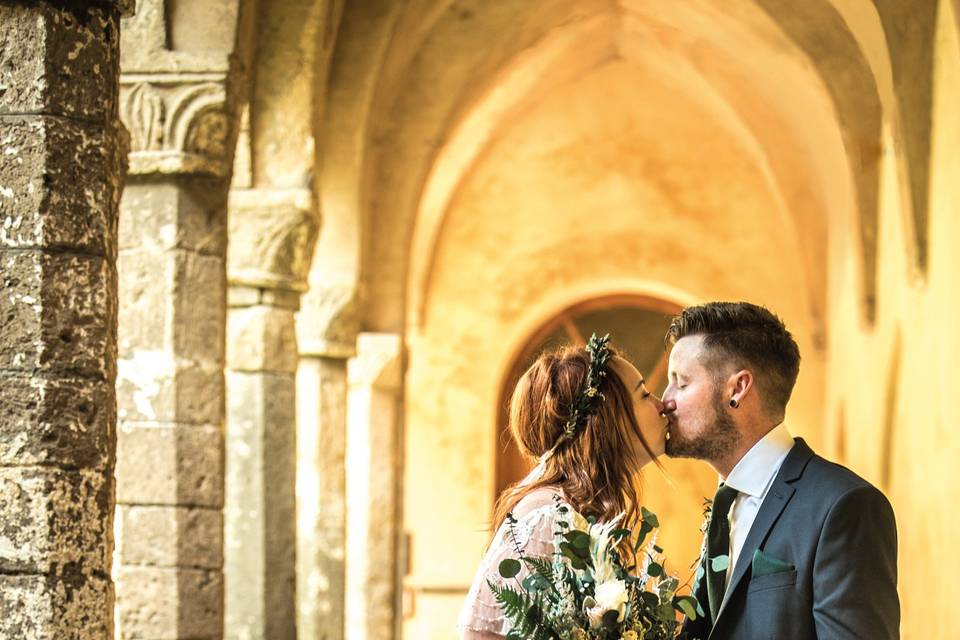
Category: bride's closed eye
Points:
column 642, row 387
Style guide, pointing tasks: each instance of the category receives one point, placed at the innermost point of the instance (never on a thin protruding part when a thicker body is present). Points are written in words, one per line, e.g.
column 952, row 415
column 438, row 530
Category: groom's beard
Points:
column 717, row 441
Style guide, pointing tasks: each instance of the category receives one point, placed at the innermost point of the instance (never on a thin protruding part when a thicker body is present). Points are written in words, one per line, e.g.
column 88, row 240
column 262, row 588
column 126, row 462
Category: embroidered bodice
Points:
column 534, row 529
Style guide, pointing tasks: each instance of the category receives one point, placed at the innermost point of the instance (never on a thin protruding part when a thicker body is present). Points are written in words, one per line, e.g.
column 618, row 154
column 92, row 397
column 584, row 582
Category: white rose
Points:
column 609, row 596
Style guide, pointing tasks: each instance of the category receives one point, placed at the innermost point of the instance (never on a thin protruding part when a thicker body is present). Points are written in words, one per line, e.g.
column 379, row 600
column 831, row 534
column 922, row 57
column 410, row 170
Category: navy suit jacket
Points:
column 835, row 538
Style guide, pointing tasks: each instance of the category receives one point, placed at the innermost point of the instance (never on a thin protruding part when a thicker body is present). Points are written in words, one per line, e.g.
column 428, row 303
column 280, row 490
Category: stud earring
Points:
column 734, row 403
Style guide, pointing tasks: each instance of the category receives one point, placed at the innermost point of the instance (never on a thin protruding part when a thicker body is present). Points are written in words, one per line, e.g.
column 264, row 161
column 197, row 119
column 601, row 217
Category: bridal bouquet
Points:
column 587, row 591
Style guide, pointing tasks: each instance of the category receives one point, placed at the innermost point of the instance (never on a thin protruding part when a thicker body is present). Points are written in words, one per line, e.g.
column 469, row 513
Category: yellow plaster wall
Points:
column 896, row 383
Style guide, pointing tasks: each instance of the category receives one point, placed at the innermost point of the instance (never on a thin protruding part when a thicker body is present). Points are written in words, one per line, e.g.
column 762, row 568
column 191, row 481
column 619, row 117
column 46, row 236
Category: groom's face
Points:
column 699, row 423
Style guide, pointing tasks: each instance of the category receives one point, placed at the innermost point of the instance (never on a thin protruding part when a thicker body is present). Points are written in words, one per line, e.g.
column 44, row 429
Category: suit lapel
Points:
column 773, row 504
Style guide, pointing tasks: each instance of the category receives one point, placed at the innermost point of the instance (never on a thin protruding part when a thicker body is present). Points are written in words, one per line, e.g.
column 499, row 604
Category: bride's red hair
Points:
column 597, row 469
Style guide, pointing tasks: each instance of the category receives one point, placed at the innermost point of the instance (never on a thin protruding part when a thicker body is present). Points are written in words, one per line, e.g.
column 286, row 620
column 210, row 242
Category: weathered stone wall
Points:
column 60, row 177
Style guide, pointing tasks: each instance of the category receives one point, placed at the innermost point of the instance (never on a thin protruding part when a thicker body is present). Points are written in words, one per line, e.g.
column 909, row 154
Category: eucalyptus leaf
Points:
column 535, row 582
column 619, row 534
column 571, row 554
column 610, row 618
column 720, row 563
column 687, row 605
column 666, row 611
column 649, row 517
column 509, row 568
column 578, row 539
column 650, row 600
column 644, row 530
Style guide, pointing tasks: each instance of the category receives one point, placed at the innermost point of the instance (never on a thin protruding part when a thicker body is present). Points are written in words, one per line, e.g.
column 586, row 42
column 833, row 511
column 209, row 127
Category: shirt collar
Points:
column 756, row 470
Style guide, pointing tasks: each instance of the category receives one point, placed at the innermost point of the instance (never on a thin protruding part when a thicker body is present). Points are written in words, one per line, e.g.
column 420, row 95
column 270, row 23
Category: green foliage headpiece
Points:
column 589, row 397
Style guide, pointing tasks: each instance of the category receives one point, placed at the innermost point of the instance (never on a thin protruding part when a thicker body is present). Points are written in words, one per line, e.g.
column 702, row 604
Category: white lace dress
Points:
column 481, row 617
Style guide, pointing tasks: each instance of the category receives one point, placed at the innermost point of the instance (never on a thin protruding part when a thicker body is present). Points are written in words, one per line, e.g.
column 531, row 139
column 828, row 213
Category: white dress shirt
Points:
column 752, row 477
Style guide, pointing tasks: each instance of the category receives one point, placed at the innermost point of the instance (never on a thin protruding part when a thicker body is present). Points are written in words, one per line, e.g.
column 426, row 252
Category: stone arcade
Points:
column 269, row 267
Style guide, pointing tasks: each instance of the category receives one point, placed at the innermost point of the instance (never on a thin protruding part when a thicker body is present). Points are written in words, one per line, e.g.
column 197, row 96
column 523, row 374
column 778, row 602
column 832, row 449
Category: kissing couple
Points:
column 795, row 547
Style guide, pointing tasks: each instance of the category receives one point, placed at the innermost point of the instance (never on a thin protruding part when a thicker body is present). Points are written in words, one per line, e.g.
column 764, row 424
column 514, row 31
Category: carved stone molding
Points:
column 179, row 122
column 329, row 320
column 272, row 234
column 378, row 363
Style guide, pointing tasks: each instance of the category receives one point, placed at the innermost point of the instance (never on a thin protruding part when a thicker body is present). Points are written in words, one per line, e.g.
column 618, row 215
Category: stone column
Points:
column 170, row 382
column 60, row 181
column 326, row 330
column 272, row 233
column 373, row 487
column 171, row 408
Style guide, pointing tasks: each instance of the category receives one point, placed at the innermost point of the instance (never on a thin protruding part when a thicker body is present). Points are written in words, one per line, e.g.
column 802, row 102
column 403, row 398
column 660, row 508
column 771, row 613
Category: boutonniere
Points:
column 704, row 526
column 707, row 514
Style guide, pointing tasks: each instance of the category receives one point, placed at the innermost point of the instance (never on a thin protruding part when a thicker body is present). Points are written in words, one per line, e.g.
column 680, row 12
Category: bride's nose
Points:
column 655, row 399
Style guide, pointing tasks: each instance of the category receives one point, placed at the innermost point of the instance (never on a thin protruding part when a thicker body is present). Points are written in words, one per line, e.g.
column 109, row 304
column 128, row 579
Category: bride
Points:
column 590, row 419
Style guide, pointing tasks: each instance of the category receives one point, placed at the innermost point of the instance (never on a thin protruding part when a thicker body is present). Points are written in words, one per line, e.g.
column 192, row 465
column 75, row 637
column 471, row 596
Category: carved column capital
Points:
column 272, row 233
column 378, row 363
column 179, row 122
column 329, row 321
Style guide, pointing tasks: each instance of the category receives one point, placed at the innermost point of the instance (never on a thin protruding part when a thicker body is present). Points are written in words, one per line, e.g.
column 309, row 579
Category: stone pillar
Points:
column 272, row 233
column 326, row 331
column 373, row 487
column 170, row 382
column 171, row 407
column 60, row 181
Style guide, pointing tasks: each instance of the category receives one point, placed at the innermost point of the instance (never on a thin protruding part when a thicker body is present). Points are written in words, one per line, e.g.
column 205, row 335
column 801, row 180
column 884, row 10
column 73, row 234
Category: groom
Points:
column 796, row 546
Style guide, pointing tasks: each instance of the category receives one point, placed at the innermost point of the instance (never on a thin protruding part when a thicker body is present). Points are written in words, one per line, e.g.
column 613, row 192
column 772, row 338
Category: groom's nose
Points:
column 668, row 404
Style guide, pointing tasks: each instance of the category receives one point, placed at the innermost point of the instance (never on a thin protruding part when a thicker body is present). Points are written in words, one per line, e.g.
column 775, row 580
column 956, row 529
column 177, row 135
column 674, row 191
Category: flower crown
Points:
column 589, row 397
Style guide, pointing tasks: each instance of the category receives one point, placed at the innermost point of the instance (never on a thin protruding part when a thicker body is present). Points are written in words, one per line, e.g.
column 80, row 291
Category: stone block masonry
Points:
column 61, row 163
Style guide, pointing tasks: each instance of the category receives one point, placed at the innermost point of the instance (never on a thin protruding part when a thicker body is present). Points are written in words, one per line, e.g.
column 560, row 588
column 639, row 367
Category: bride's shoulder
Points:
column 537, row 500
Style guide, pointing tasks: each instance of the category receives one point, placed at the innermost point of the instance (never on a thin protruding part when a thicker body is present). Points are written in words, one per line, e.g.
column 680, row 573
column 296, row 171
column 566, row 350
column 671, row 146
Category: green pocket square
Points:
column 765, row 565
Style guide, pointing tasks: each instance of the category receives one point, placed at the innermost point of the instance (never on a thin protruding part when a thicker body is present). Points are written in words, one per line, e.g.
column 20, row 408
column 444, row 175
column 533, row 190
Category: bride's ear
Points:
column 740, row 387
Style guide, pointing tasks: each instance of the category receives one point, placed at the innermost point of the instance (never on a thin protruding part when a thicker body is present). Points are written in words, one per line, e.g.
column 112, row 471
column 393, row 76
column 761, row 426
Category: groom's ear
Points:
column 741, row 384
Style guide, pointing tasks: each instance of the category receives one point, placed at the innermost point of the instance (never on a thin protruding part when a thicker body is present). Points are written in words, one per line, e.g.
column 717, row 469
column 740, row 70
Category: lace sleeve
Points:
column 481, row 617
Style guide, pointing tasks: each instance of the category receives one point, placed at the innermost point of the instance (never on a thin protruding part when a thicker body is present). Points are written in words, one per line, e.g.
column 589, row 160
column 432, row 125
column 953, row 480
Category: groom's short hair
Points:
column 740, row 335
